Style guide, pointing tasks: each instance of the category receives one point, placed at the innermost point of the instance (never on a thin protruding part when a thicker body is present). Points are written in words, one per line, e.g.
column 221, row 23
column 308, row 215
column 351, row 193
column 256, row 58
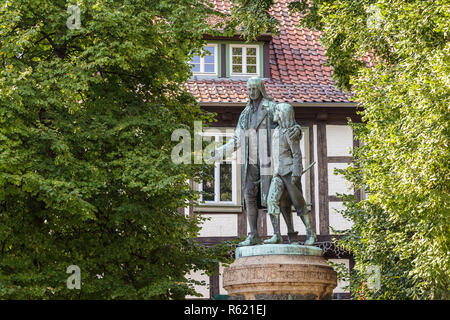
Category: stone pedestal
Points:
column 279, row 272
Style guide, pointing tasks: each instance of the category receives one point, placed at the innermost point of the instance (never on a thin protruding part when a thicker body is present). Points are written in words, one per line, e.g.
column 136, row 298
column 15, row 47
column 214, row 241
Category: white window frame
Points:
column 219, row 135
column 244, row 60
column 202, row 62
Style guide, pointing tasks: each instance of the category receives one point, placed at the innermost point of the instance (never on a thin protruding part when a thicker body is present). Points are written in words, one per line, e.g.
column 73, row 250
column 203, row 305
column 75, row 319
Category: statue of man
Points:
column 253, row 135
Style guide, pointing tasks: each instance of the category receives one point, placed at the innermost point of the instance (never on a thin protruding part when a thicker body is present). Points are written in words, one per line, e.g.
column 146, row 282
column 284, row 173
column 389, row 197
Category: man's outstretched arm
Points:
column 233, row 144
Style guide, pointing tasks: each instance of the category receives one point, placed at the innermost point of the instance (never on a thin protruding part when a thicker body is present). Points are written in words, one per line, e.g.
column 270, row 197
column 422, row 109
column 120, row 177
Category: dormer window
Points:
column 244, row 60
column 207, row 64
column 231, row 59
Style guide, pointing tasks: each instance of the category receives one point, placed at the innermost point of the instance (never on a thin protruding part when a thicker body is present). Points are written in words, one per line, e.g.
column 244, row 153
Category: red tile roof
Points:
column 229, row 90
column 298, row 71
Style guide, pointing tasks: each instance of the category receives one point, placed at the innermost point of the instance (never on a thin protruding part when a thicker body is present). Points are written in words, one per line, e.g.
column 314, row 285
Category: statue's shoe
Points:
column 276, row 239
column 250, row 241
column 310, row 240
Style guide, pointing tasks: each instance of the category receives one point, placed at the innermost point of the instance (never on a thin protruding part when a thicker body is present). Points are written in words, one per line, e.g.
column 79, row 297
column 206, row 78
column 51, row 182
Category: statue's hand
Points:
column 215, row 156
column 295, row 180
column 294, row 132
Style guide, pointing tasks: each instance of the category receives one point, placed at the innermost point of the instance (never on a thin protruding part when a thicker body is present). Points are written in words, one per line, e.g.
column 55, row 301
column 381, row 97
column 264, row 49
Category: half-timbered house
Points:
column 294, row 68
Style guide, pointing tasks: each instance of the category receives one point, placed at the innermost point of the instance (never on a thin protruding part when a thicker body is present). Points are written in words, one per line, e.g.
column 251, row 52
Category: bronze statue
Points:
column 253, row 134
column 287, row 172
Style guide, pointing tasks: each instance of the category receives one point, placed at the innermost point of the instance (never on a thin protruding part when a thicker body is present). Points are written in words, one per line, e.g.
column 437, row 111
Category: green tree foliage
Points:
column 394, row 56
column 86, row 177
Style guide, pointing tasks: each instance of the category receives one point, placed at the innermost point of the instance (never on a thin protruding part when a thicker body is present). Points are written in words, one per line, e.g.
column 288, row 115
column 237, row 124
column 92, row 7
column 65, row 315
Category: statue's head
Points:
column 256, row 90
column 284, row 115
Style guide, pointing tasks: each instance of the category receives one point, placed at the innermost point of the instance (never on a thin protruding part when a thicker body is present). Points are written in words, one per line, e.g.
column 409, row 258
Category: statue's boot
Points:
column 293, row 237
column 276, row 238
column 251, row 240
column 252, row 215
column 311, row 237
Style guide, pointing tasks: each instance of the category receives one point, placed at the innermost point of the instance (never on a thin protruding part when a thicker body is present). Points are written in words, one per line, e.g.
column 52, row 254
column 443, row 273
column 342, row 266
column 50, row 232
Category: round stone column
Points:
column 279, row 272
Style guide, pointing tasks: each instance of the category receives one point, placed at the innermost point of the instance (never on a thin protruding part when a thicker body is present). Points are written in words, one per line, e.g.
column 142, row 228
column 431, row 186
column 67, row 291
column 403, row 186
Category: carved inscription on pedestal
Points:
column 276, row 273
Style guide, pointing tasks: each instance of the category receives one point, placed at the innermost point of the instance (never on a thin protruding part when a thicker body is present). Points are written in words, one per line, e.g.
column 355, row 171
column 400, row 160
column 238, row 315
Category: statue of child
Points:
column 287, row 172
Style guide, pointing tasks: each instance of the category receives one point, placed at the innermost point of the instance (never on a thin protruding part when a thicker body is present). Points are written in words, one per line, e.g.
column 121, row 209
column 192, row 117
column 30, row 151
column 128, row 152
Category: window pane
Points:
column 209, row 67
column 237, row 68
column 209, row 59
column 237, row 51
column 226, row 192
column 237, row 60
column 251, row 69
column 251, row 60
column 209, row 50
column 195, row 68
column 251, row 51
column 208, row 187
column 195, row 59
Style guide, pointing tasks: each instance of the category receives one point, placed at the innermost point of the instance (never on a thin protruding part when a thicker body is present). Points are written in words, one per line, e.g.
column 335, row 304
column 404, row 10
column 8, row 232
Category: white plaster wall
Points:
column 203, row 290
column 219, row 225
column 341, row 284
column 304, row 147
column 221, row 289
column 336, row 220
column 339, row 140
column 316, row 181
column 337, row 183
